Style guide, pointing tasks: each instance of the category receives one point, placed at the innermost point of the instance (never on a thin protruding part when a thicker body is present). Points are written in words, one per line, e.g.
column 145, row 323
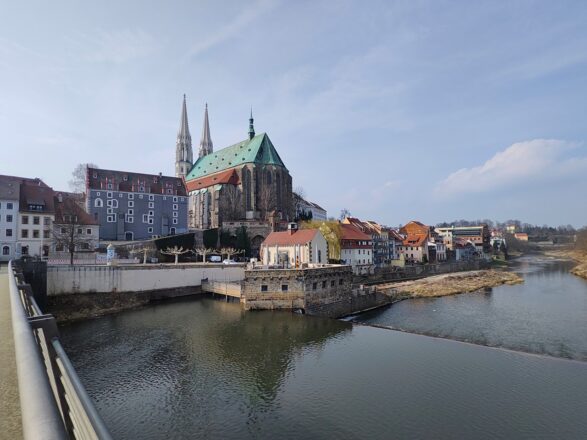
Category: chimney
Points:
column 292, row 228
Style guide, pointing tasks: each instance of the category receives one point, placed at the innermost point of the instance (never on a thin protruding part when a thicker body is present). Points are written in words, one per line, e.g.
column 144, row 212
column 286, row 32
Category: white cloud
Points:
column 520, row 164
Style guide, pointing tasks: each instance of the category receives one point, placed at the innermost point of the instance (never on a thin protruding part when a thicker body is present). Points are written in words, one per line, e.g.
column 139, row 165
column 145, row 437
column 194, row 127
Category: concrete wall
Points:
column 63, row 280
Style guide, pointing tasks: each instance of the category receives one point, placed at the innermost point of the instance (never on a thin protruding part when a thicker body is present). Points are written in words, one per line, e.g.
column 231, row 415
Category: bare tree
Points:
column 203, row 252
column 175, row 251
column 144, row 250
column 77, row 184
column 230, row 251
column 69, row 229
column 265, row 200
column 232, row 200
column 344, row 213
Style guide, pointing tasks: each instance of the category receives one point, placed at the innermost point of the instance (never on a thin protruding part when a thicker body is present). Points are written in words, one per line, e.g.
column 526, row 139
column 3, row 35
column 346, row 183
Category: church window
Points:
column 98, row 203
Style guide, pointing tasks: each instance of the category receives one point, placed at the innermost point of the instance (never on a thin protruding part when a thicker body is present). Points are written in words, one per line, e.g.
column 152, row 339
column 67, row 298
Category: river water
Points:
column 202, row 368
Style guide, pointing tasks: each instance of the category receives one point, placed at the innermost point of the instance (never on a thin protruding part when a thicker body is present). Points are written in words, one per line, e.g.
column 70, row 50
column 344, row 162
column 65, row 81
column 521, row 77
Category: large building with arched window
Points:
column 245, row 181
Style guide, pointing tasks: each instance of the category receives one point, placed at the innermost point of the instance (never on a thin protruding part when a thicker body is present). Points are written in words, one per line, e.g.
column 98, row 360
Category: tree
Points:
column 175, row 251
column 265, row 200
column 77, row 184
column 243, row 240
column 69, row 228
column 232, row 202
column 344, row 213
column 203, row 252
column 230, row 251
column 142, row 250
column 332, row 232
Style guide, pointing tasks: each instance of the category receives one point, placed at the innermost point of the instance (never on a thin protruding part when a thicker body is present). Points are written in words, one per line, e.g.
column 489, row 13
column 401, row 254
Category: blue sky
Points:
column 403, row 110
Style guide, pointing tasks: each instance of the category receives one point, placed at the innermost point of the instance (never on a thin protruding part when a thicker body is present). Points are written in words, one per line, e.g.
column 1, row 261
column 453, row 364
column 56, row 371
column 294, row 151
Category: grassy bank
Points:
column 451, row 284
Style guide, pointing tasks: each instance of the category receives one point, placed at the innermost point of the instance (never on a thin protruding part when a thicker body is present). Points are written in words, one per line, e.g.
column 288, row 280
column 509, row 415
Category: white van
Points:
column 215, row 258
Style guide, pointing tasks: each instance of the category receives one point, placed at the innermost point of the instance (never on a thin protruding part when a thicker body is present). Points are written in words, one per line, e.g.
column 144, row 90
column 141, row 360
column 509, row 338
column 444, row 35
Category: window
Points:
column 181, row 199
column 323, row 284
column 109, row 187
column 109, row 195
column 175, row 221
column 175, row 199
column 140, row 196
column 98, row 193
column 131, row 197
column 80, row 231
column 172, row 231
column 164, row 198
column 150, row 230
column 113, row 203
column 169, row 191
column 264, row 288
column 5, row 250
column 151, row 213
column 131, row 212
column 284, row 287
column 36, row 220
column 175, row 207
column 151, row 204
column 9, row 205
column 332, row 283
column 145, row 218
column 9, row 218
column 111, row 218
column 98, row 203
column 85, row 246
column 120, row 195
column 24, row 233
column 130, row 219
column 47, row 221
column 151, row 197
column 131, row 204
column 110, row 211
column 9, row 232
column 141, row 189
column 150, row 220
column 340, row 282
column 46, row 233
column 125, row 178
column 25, row 250
column 314, row 286
column 88, row 231
column 175, row 214
column 63, row 230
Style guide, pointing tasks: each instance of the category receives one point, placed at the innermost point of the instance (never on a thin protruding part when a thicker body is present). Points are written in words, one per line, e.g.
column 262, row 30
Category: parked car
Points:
column 215, row 258
column 229, row 262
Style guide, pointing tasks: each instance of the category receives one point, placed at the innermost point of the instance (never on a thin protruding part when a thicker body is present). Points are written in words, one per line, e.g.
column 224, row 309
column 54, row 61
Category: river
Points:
column 202, row 368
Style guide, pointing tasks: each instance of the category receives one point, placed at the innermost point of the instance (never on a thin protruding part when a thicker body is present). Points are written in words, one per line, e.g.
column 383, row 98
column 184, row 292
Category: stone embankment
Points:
column 579, row 256
column 449, row 284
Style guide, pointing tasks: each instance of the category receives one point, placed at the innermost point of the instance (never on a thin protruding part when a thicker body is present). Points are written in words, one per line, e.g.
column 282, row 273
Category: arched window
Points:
column 98, row 203
column 5, row 250
column 247, row 185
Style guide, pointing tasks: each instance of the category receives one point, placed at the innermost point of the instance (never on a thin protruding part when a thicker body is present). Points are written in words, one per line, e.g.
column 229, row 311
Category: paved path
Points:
column 10, row 423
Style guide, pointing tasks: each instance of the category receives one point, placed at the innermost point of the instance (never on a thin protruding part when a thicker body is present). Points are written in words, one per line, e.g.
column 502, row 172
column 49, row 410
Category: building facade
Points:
column 356, row 249
column 9, row 203
column 308, row 210
column 35, row 219
column 246, row 181
column 74, row 230
column 414, row 247
column 294, row 248
column 132, row 206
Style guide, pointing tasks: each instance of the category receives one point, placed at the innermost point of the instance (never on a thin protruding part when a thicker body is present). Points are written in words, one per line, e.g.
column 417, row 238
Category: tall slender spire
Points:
column 206, row 146
column 183, row 144
column 251, row 127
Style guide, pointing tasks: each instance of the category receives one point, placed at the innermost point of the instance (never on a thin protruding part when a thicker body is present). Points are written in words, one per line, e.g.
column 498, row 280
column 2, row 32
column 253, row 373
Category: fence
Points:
column 54, row 403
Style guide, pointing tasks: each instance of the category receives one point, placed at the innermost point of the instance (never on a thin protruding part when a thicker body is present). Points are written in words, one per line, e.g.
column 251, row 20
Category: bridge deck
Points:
column 10, row 421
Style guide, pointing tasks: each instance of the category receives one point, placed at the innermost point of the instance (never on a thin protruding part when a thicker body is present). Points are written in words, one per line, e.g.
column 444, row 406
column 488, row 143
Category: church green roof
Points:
column 257, row 150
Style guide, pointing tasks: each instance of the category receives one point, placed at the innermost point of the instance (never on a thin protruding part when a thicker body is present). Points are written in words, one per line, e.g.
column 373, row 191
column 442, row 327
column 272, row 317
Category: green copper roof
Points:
column 258, row 150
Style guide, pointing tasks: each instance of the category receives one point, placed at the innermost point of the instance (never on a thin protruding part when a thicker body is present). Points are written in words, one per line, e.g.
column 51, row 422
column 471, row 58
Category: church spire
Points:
column 251, row 127
column 183, row 144
column 206, row 146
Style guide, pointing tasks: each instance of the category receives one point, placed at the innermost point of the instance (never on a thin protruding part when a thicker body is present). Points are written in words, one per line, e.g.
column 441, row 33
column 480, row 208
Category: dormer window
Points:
column 109, row 186
column 141, row 188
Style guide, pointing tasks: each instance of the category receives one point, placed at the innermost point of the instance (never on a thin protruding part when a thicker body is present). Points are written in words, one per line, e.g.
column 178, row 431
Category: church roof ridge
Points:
column 259, row 150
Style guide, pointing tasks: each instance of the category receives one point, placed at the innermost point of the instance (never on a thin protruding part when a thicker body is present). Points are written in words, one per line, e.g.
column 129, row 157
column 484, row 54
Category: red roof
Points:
column 132, row 182
column 286, row 238
column 229, row 176
column 70, row 206
column 351, row 232
column 415, row 240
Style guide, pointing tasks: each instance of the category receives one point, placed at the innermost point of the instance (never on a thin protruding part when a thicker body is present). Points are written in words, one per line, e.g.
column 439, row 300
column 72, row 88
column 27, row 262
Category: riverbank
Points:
column 579, row 256
column 451, row 284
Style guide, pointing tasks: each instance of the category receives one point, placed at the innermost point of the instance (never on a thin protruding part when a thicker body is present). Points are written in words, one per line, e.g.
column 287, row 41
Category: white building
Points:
column 294, row 247
column 35, row 219
column 306, row 208
column 9, row 197
column 356, row 249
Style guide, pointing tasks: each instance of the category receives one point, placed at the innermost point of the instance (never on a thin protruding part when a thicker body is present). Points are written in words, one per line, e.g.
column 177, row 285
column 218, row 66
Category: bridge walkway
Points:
column 10, row 420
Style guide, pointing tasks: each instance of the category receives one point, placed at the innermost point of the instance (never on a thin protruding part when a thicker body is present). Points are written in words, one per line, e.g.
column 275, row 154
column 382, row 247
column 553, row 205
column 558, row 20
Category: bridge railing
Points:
column 54, row 403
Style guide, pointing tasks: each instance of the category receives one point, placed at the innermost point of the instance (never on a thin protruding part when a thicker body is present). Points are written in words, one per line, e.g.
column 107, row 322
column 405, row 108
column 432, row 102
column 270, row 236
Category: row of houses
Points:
column 365, row 245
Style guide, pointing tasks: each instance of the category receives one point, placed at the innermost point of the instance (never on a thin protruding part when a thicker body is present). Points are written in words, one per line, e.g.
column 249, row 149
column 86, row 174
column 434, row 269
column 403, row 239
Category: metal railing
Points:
column 54, row 403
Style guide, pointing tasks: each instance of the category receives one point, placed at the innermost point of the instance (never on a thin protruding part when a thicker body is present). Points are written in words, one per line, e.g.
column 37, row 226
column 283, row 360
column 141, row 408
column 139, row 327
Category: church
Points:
column 244, row 181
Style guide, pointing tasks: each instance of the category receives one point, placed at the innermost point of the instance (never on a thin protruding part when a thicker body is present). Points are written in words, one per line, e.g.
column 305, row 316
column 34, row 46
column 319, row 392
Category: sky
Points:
column 396, row 110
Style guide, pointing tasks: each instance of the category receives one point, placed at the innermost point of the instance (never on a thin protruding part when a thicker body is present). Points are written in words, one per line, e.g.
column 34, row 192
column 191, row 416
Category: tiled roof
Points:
column 132, row 182
column 415, row 240
column 257, row 150
column 9, row 189
column 35, row 194
column 227, row 176
column 70, row 205
column 285, row 238
column 351, row 232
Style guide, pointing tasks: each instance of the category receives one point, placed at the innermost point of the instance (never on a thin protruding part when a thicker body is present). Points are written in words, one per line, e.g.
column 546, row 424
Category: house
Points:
column 465, row 250
column 73, row 228
column 414, row 246
column 479, row 235
column 136, row 206
column 308, row 210
column 522, row 236
column 356, row 249
column 380, row 237
column 9, row 202
column 35, row 218
column 293, row 248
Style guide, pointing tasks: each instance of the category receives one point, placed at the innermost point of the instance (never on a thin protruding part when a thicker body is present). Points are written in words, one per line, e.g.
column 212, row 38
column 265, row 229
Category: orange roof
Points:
column 415, row 240
column 285, row 238
column 229, row 176
column 351, row 232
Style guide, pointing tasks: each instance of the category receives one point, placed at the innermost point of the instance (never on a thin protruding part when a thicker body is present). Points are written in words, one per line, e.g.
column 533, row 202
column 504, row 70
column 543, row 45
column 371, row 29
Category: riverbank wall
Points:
column 394, row 273
column 77, row 292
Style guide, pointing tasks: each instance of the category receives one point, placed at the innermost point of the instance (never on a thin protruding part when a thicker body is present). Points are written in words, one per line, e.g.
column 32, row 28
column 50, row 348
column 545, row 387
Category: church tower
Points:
column 206, row 146
column 183, row 146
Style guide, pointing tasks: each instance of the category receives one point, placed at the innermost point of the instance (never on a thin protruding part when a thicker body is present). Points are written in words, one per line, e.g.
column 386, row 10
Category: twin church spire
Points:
column 183, row 146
